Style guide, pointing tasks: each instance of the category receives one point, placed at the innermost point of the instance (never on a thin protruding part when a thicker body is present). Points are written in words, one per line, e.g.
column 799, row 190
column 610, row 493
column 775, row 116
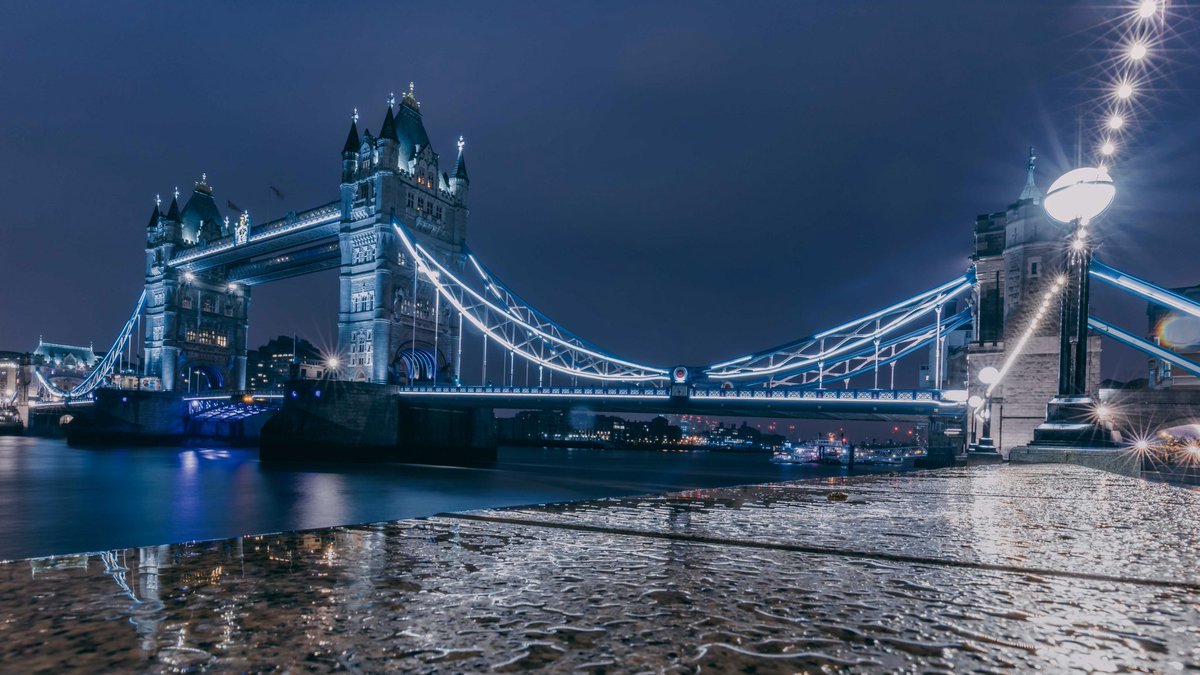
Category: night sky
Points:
column 677, row 183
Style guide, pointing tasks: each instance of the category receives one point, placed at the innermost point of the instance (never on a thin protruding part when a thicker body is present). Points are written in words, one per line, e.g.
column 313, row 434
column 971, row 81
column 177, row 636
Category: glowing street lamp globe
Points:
column 988, row 375
column 1080, row 194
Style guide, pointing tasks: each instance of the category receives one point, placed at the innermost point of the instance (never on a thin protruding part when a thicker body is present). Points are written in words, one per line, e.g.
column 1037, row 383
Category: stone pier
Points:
column 360, row 421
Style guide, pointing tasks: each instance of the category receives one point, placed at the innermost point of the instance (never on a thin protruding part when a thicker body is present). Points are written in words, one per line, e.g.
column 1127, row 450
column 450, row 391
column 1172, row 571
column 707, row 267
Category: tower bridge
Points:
column 412, row 295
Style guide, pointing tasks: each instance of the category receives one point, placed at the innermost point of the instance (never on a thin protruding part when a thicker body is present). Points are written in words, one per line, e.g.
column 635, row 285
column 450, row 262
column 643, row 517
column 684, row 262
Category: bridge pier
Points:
column 361, row 421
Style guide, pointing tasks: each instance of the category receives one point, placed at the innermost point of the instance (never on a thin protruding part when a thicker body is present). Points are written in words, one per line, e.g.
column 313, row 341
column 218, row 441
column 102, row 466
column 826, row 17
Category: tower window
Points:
column 1035, row 267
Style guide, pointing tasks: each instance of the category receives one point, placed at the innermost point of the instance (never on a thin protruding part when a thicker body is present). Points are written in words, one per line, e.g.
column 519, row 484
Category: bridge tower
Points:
column 1019, row 252
column 196, row 324
column 392, row 327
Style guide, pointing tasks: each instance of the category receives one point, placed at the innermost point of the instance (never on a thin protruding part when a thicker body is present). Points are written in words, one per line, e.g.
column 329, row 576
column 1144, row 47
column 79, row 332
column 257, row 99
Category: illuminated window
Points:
column 206, row 336
column 363, row 301
column 360, row 348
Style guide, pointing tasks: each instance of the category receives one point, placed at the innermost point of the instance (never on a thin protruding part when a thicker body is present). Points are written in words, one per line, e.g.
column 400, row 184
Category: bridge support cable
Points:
column 832, row 345
column 521, row 330
column 1143, row 289
column 96, row 377
column 1144, row 346
column 518, row 307
column 873, row 357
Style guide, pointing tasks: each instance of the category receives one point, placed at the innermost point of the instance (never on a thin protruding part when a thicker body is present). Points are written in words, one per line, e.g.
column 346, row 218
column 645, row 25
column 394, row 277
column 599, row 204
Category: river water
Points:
column 56, row 500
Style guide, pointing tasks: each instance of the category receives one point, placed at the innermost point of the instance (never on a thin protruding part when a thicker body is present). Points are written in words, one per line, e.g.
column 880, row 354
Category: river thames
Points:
column 59, row 499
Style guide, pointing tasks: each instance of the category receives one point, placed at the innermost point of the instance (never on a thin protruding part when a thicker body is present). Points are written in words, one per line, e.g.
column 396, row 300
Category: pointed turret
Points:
column 154, row 216
column 173, row 210
column 460, row 167
column 350, row 150
column 1031, row 191
column 459, row 182
column 352, row 140
column 388, row 132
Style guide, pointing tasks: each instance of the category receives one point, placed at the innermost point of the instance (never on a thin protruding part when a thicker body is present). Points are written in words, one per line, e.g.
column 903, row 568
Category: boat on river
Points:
column 820, row 451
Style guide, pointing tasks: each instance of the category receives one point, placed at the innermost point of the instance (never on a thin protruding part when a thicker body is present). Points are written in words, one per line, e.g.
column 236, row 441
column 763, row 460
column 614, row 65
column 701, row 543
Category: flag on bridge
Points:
column 233, row 206
column 276, row 191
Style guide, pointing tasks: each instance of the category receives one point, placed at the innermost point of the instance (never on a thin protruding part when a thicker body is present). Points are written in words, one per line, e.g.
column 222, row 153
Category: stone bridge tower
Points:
column 1019, row 252
column 391, row 326
column 196, row 324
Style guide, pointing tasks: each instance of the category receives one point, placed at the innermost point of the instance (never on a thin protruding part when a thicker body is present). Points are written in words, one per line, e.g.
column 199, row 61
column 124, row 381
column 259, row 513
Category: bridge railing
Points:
column 874, row 395
column 907, row 395
column 572, row 392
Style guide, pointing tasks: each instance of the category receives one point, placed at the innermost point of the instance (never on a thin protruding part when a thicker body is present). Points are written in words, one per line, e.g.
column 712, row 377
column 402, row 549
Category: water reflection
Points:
column 59, row 499
column 450, row 594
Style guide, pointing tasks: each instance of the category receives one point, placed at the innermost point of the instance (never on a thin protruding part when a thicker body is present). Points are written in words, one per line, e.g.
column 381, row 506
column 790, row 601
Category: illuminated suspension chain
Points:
column 876, row 355
column 96, row 377
column 533, row 341
column 845, row 339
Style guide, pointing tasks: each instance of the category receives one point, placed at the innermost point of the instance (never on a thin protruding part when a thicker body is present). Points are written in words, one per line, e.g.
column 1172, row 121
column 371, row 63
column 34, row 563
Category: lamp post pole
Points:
column 1075, row 198
column 1073, row 333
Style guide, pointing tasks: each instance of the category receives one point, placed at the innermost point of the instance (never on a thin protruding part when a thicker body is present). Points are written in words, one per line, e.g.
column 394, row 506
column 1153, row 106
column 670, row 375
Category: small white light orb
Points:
column 188, row 276
column 1116, row 122
column 232, row 287
column 1107, row 148
column 989, row 375
column 1141, row 445
column 332, row 362
column 975, row 401
column 1124, row 91
column 1080, row 194
column 1138, row 50
column 1147, row 9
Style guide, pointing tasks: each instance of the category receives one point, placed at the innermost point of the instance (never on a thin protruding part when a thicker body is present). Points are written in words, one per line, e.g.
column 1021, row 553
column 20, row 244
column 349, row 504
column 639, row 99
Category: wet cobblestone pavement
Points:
column 991, row 569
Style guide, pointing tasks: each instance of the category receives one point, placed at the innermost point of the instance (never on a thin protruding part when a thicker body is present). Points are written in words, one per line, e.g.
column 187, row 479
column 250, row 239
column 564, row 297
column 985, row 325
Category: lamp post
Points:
column 1076, row 199
column 988, row 375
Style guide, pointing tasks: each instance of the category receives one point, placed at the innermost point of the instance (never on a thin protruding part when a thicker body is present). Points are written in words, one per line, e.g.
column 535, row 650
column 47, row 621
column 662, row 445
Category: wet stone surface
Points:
column 702, row 581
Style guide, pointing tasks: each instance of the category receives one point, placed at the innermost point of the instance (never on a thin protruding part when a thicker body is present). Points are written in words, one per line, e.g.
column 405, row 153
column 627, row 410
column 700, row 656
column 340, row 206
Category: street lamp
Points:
column 988, row 375
column 1076, row 198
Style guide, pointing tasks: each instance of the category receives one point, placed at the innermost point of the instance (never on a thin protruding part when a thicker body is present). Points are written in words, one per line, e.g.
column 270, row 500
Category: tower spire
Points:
column 1031, row 191
column 389, row 122
column 352, row 138
column 460, row 166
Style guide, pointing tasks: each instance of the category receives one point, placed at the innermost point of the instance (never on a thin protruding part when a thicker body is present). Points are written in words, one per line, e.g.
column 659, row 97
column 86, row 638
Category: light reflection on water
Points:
column 638, row 590
column 59, row 500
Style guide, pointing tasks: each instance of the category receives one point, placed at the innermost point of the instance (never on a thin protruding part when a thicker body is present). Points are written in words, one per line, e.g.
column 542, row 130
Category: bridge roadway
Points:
column 841, row 404
column 296, row 244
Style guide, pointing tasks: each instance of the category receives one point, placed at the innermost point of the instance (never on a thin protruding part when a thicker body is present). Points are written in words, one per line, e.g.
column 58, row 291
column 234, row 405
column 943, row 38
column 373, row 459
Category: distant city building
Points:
column 64, row 366
column 283, row 358
column 1178, row 332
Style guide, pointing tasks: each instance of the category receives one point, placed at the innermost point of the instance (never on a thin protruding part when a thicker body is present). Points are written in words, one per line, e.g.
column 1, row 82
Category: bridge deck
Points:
column 842, row 404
